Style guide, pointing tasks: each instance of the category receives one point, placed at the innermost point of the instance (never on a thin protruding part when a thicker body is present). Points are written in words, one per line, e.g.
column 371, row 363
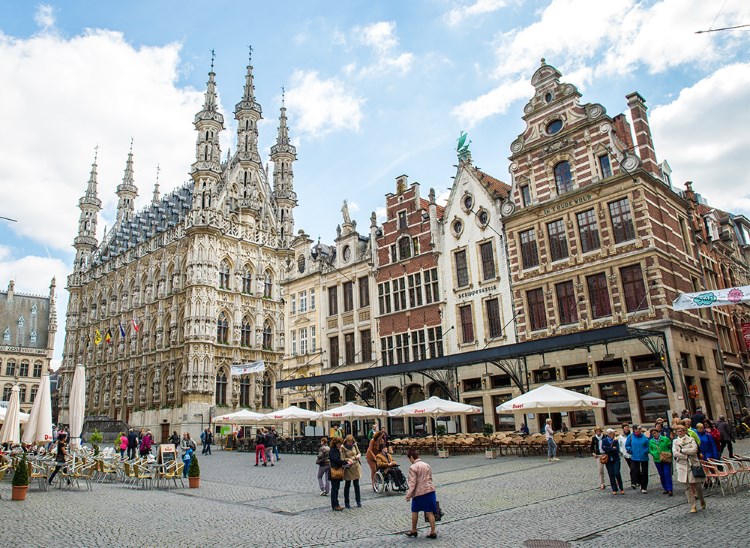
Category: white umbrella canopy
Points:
column 243, row 416
column 23, row 418
column 11, row 430
column 350, row 411
column 291, row 413
column 550, row 399
column 77, row 406
column 39, row 427
column 434, row 407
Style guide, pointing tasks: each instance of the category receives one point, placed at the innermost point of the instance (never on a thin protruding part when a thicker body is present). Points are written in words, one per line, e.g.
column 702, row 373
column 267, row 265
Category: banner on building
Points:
column 746, row 334
column 248, row 368
column 714, row 297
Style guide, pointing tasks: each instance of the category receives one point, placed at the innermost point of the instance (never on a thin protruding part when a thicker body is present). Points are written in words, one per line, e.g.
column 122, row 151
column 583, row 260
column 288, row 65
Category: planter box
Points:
column 194, row 483
column 443, row 453
column 19, row 492
column 491, row 453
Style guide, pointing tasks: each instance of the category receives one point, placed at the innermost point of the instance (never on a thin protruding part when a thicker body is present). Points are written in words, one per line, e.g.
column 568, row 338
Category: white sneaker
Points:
column 323, row 493
column 555, row 459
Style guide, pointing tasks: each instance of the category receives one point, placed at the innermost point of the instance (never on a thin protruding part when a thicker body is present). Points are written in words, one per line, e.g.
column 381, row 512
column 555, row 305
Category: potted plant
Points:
column 490, row 452
column 194, row 473
column 95, row 439
column 20, row 479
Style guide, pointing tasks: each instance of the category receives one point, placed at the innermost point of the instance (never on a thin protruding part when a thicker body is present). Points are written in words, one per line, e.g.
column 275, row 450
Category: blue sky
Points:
column 373, row 89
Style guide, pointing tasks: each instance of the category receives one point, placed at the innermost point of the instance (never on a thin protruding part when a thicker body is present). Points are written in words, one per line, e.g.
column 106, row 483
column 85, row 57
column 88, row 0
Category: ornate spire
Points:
column 283, row 154
column 127, row 191
column 247, row 113
column 155, row 198
column 208, row 122
column 90, row 205
column 282, row 138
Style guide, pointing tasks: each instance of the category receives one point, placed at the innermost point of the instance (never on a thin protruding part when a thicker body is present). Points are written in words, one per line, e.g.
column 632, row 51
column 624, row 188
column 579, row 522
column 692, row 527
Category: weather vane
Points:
column 250, row 56
column 213, row 56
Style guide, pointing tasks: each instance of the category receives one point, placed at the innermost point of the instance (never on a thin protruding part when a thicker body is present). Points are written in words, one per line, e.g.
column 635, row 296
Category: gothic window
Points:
column 349, row 393
column 37, row 369
column 267, row 335
column 266, row 390
column 245, row 391
column 23, row 369
column 224, row 275
column 563, row 178
column 221, row 388
column 268, row 285
column 222, row 329
column 247, row 332
column 247, row 281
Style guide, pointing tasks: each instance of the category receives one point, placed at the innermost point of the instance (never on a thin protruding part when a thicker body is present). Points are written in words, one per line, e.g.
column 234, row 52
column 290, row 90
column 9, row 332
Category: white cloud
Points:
column 44, row 16
column 458, row 14
column 68, row 95
column 495, row 101
column 382, row 214
column 354, row 206
column 703, row 136
column 381, row 38
column 321, row 106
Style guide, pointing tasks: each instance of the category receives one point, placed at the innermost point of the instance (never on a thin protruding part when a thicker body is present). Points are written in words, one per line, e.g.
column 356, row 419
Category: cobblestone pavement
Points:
column 502, row 502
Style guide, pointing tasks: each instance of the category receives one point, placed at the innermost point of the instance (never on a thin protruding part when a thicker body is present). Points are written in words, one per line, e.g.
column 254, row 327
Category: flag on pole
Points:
column 97, row 337
column 135, row 325
column 122, row 330
column 108, row 336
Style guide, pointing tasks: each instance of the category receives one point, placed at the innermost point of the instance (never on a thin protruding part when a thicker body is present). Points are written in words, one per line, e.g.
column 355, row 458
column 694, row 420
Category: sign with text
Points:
column 249, row 368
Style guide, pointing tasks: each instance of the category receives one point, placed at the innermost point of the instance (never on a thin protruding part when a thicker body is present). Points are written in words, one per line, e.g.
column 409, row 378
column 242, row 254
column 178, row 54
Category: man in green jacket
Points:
column 660, row 448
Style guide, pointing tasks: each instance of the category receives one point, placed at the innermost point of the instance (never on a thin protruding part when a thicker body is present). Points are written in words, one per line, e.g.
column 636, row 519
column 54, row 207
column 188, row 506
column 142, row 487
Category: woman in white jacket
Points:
column 685, row 454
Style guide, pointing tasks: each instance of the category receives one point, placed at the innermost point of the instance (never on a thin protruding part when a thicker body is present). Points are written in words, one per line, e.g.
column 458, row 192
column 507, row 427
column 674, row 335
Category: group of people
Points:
column 141, row 441
column 266, row 446
column 679, row 447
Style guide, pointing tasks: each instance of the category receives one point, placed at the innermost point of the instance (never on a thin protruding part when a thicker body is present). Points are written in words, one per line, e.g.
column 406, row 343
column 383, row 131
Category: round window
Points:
column 483, row 217
column 468, row 202
column 458, row 227
column 548, row 97
column 347, row 253
column 554, row 127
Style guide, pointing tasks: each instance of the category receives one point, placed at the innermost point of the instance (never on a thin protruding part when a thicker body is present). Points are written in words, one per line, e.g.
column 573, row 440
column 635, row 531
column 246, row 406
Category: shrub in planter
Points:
column 440, row 430
column 95, row 439
column 21, row 479
column 194, row 473
column 488, row 429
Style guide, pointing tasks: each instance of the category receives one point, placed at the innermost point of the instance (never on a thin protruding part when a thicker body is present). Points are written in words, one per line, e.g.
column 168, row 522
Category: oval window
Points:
column 468, row 202
column 554, row 127
column 458, row 226
column 483, row 217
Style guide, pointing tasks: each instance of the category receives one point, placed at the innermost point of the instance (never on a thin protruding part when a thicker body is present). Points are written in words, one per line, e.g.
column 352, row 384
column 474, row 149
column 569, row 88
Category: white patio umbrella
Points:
column 434, row 407
column 243, row 416
column 23, row 418
column 350, row 411
column 39, row 427
column 550, row 399
column 11, row 430
column 77, row 406
column 291, row 413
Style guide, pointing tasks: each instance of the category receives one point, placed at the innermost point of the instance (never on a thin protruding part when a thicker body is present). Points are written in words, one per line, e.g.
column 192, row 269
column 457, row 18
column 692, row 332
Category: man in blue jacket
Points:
column 637, row 446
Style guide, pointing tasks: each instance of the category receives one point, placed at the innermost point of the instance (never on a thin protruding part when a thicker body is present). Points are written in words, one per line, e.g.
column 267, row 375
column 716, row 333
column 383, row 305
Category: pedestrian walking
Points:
column 660, row 447
column 597, row 450
column 421, row 493
column 637, row 446
column 324, row 464
column 275, row 443
column 60, row 457
column 353, row 471
column 707, row 447
column 132, row 444
column 373, row 449
column 268, row 442
column 336, row 472
column 622, row 440
column 207, row 439
column 698, row 417
column 145, row 446
column 685, row 453
column 122, row 443
column 260, row 446
column 611, row 449
column 174, row 439
column 726, row 436
column 549, row 433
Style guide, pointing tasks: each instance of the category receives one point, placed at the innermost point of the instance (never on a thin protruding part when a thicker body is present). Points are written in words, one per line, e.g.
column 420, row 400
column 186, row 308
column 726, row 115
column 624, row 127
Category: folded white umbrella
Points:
column 23, row 418
column 291, row 413
column 550, row 399
column 77, row 406
column 434, row 407
column 350, row 411
column 39, row 427
column 243, row 416
column 11, row 430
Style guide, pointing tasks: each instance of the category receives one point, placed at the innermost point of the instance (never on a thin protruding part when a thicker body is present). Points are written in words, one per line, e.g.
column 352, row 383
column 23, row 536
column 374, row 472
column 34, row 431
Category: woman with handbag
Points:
column 336, row 472
column 660, row 447
column 421, row 493
column 352, row 470
column 611, row 447
column 689, row 470
column 597, row 451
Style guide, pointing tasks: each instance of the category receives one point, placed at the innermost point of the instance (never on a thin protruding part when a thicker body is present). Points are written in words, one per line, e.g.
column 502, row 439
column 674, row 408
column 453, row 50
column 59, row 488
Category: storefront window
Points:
column 618, row 405
column 652, row 399
column 506, row 423
column 582, row 418
column 610, row 367
column 475, row 422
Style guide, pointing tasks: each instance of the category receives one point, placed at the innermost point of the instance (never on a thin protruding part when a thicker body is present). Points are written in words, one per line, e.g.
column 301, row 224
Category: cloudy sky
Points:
column 373, row 89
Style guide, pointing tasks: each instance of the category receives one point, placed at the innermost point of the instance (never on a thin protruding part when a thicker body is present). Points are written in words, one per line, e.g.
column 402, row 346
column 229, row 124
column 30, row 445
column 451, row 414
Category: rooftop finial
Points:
column 96, row 152
column 250, row 56
column 544, row 61
column 131, row 145
column 158, row 169
column 213, row 56
column 283, row 97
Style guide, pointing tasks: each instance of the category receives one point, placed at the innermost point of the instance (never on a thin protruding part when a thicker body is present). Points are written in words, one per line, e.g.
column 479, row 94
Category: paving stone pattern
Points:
column 507, row 501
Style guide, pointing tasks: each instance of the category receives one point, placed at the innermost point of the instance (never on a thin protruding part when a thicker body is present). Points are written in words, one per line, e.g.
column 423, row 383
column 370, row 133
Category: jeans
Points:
column 641, row 468
column 347, row 484
column 276, row 452
column 665, row 475
column 206, row 448
column 260, row 450
column 615, row 478
column 57, row 469
column 551, row 448
column 325, row 486
column 335, row 484
column 269, row 453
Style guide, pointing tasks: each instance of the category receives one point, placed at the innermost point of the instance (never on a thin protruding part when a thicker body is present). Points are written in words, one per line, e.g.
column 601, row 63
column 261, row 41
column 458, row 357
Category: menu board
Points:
column 167, row 453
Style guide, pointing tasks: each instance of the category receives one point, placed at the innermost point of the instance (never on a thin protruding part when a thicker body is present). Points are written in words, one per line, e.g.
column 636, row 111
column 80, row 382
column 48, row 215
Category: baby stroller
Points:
column 390, row 480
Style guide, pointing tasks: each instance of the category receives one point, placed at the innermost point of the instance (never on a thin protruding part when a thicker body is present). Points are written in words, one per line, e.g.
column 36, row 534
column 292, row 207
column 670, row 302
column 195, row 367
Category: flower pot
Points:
column 19, row 492
column 443, row 453
column 194, row 482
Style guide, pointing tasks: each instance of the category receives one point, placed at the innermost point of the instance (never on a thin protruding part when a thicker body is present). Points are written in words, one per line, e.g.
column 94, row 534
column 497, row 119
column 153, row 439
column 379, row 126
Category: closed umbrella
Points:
column 11, row 430
column 39, row 427
column 77, row 407
column 23, row 418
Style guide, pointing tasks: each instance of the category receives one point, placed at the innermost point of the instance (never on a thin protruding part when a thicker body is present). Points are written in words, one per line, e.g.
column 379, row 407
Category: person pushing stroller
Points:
column 390, row 470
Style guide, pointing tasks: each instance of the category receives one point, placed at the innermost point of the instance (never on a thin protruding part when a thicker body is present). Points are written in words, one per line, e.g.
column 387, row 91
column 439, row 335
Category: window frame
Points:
column 461, row 268
column 489, row 268
column 537, row 307
column 589, row 237
column 563, row 177
column 597, row 292
column 466, row 319
column 558, row 240
column 529, row 249
column 621, row 217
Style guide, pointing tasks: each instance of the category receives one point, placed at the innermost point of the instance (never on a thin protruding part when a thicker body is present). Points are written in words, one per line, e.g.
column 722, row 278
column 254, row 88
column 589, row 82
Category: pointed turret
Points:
column 247, row 113
column 127, row 191
column 283, row 153
column 90, row 205
column 155, row 197
column 52, row 327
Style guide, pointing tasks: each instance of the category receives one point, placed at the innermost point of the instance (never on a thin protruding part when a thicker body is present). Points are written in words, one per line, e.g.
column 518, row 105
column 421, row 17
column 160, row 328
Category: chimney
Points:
column 643, row 140
column 11, row 289
column 623, row 132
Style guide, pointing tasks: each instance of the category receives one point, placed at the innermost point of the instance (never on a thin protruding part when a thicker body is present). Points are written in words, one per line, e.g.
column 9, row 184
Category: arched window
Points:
column 222, row 329
column 334, row 395
column 34, row 390
column 349, row 393
column 404, row 248
column 221, row 388
column 268, row 285
column 563, row 178
column 266, row 391
column 245, row 391
column 366, row 391
column 247, row 332
column 247, row 281
column 37, row 369
column 267, row 335
column 224, row 275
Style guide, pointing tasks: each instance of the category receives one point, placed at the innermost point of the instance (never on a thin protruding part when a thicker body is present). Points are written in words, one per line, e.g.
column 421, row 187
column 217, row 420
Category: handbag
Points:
column 337, row 473
column 438, row 513
column 665, row 456
column 604, row 459
column 698, row 472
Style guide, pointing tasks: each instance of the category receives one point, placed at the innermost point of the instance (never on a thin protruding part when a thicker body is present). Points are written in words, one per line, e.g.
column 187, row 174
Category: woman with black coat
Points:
column 334, row 457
